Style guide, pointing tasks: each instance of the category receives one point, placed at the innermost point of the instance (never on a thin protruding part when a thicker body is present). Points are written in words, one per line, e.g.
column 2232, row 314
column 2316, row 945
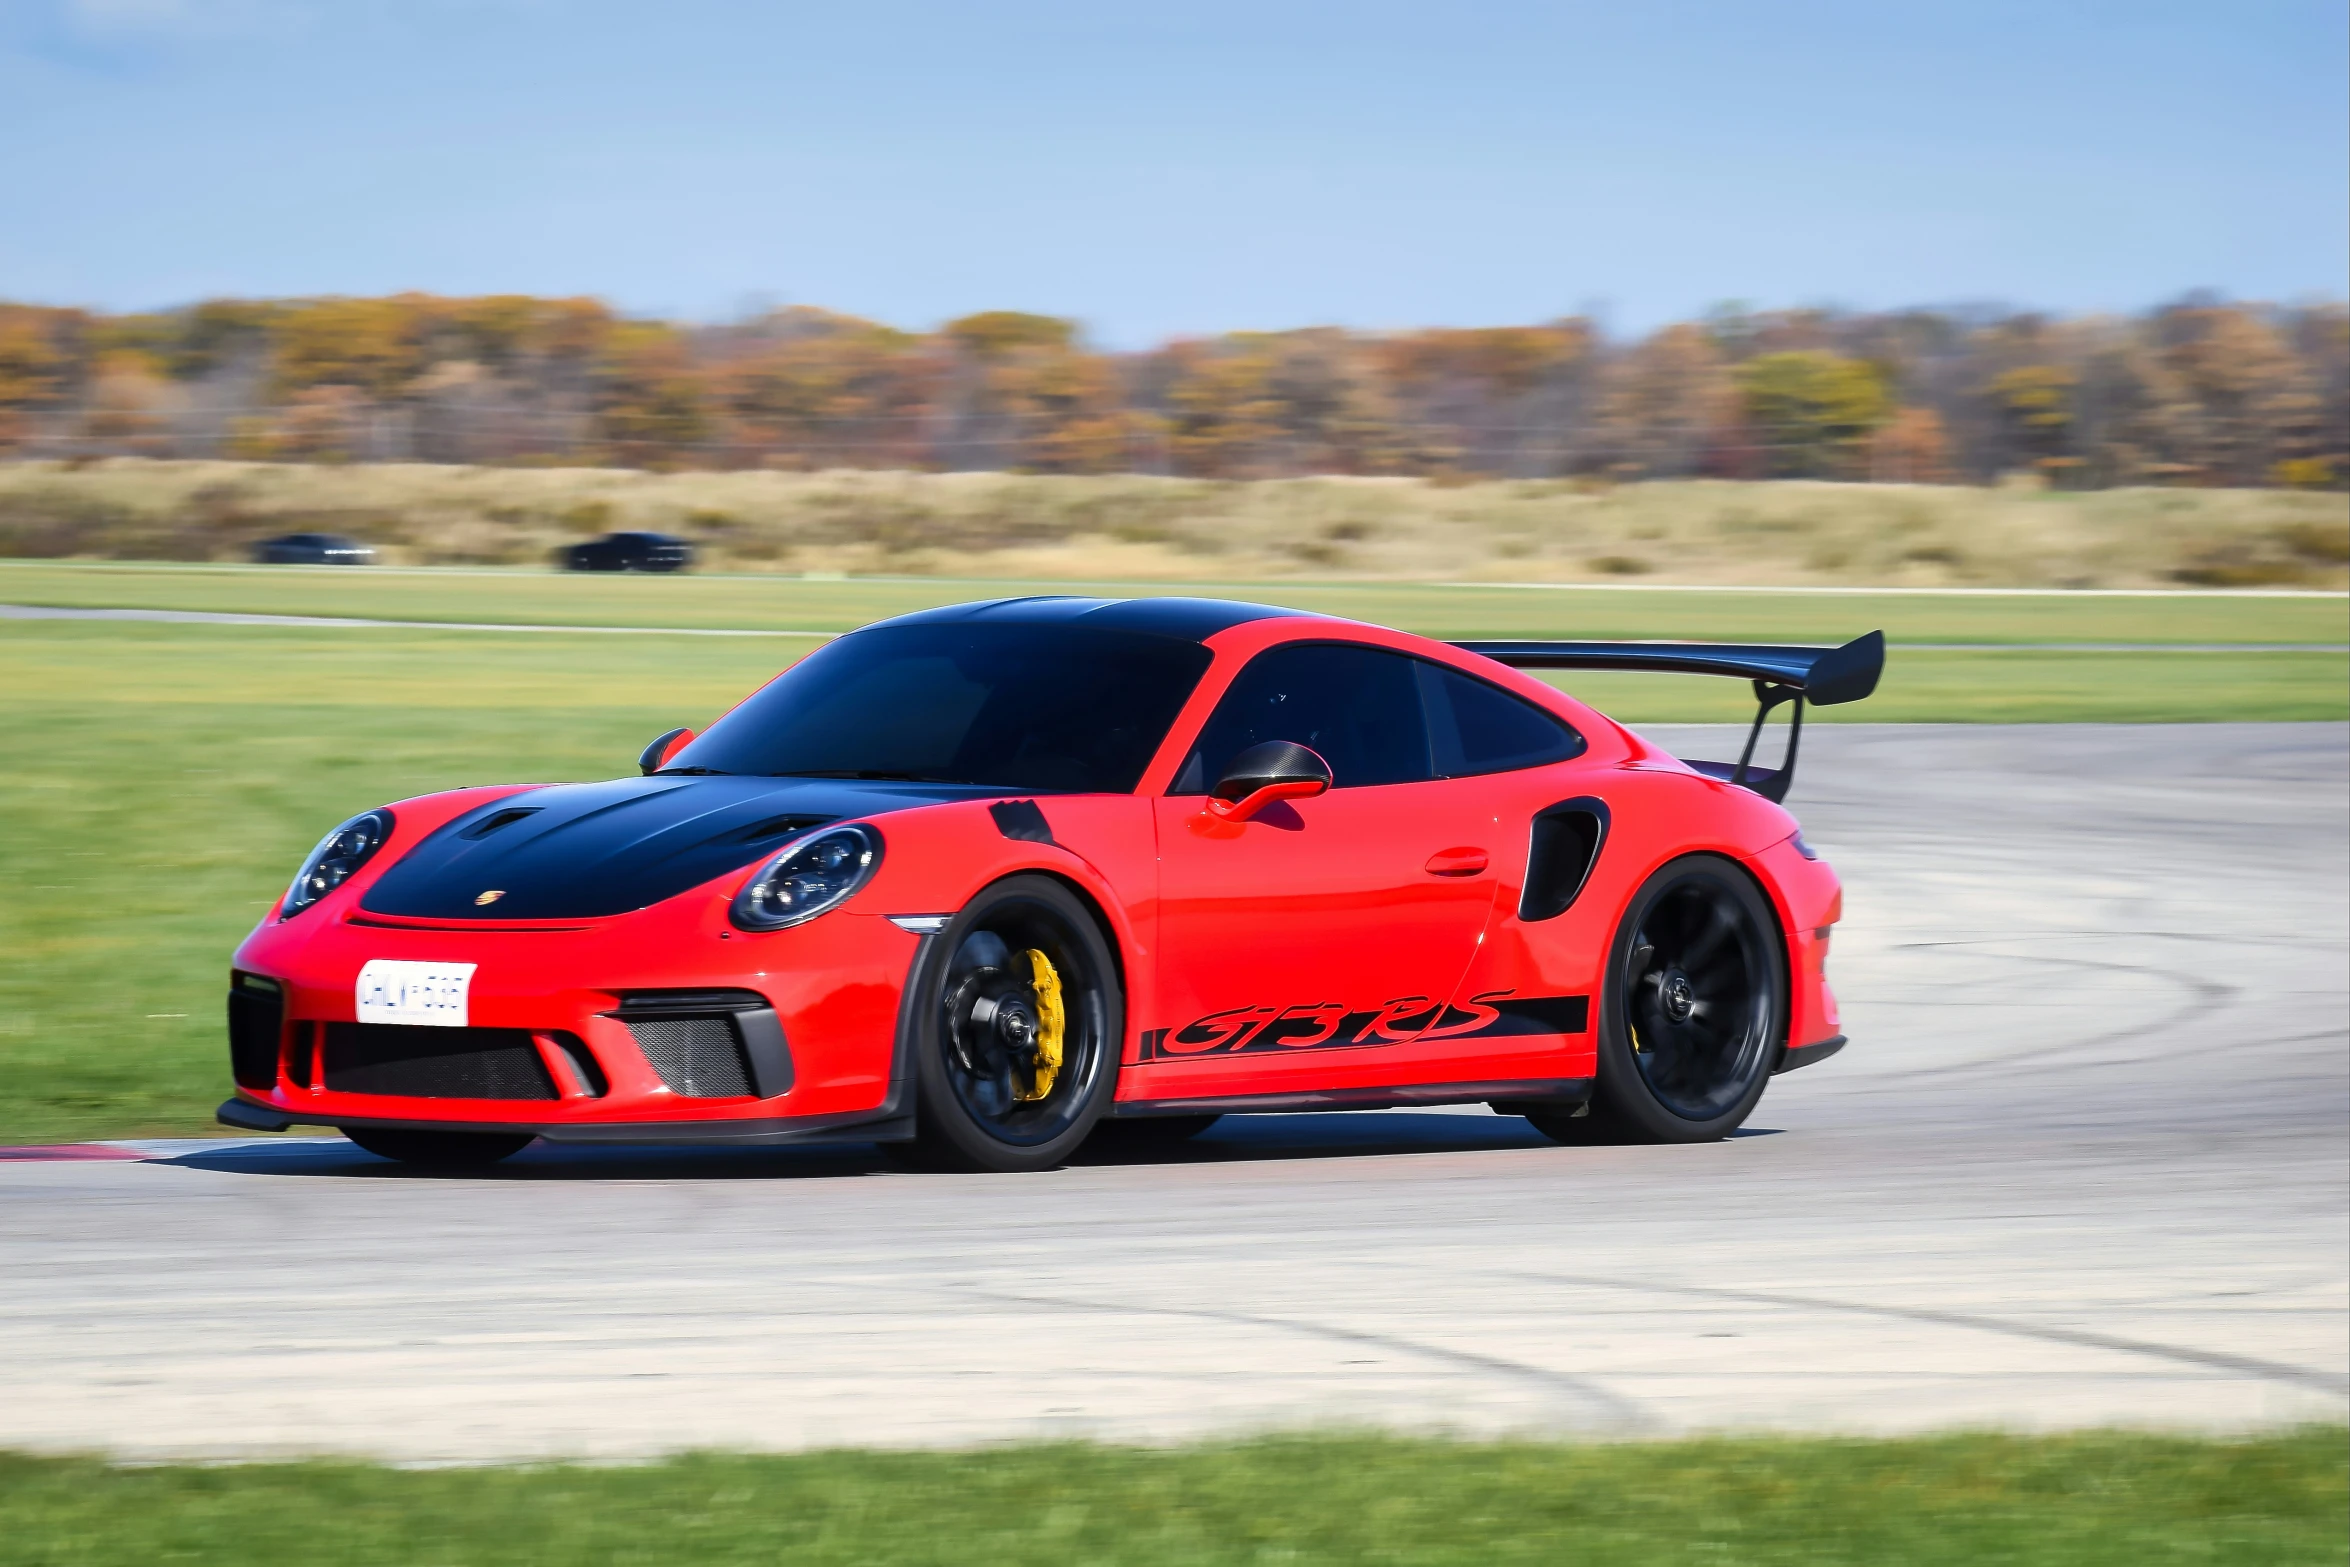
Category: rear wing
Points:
column 1821, row 675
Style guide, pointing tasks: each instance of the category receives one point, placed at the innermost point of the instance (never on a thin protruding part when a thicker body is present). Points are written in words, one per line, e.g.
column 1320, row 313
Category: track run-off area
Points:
column 2086, row 1162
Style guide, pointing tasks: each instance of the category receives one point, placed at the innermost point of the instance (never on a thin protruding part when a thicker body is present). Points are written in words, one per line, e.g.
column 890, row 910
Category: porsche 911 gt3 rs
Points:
column 996, row 878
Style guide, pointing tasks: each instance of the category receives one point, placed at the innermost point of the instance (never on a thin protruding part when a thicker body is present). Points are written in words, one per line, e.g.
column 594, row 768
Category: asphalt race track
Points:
column 2086, row 1162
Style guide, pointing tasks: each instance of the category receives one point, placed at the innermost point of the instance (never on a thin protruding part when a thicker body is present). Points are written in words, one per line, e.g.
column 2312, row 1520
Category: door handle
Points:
column 1456, row 862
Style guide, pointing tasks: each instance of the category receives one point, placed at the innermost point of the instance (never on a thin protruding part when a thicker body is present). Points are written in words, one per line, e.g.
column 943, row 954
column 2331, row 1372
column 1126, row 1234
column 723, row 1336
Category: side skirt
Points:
column 1562, row 1091
column 1806, row 1055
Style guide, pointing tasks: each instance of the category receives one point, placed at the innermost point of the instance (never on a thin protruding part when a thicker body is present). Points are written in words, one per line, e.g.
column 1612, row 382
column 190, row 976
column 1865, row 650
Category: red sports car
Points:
column 996, row 878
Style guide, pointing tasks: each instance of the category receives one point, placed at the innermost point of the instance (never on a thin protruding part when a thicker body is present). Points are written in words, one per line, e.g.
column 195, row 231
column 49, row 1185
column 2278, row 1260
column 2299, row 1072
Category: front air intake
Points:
column 256, row 1017
column 710, row 1044
column 698, row 1057
column 435, row 1063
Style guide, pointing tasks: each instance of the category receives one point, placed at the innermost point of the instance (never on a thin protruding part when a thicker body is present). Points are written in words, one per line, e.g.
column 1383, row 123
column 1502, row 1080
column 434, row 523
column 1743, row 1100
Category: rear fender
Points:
column 1809, row 900
column 1658, row 811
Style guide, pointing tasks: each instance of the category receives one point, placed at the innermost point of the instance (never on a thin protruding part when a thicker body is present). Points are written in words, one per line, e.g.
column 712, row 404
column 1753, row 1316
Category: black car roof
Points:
column 1194, row 620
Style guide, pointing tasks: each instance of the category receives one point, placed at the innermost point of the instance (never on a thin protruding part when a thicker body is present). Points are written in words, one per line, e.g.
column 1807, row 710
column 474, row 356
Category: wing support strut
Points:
column 1782, row 676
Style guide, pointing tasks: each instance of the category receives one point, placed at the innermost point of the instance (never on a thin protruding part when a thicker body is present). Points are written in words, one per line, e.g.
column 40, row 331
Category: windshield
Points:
column 1050, row 708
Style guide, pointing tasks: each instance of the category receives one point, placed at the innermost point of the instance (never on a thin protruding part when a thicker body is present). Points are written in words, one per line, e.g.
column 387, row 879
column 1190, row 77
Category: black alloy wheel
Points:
column 1017, row 1047
column 1693, row 1011
column 442, row 1150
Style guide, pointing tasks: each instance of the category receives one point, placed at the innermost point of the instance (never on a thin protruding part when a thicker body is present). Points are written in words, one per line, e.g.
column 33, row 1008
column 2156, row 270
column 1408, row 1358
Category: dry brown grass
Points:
column 1139, row 528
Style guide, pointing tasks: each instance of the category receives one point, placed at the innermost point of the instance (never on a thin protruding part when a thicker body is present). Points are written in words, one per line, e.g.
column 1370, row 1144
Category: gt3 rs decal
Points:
column 1331, row 1025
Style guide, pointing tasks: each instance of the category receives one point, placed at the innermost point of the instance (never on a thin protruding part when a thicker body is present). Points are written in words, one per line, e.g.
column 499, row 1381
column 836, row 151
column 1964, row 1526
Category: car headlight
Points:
column 336, row 860
column 811, row 876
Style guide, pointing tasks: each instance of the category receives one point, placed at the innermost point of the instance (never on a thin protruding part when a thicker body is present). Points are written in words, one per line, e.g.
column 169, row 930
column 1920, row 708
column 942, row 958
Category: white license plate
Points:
column 392, row 990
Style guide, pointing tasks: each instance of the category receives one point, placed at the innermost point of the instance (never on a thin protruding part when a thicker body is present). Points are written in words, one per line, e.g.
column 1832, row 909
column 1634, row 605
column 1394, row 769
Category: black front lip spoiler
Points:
column 772, row 1132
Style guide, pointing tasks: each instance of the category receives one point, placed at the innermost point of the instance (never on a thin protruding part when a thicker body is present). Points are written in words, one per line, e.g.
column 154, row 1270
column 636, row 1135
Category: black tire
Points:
column 1693, row 1011
column 446, row 1150
column 978, row 1017
column 1144, row 1133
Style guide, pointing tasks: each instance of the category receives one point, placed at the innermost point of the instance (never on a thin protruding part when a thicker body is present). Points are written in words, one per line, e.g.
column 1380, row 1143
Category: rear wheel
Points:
column 1016, row 1047
column 1692, row 1011
column 445, row 1149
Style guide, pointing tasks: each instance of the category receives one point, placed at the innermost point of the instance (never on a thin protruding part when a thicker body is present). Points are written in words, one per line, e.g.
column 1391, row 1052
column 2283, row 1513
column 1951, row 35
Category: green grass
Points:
column 793, row 603
column 2074, row 1500
column 164, row 780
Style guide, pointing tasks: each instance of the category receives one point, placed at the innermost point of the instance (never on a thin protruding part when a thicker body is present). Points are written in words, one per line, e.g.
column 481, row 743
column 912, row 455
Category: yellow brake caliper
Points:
column 1051, row 1020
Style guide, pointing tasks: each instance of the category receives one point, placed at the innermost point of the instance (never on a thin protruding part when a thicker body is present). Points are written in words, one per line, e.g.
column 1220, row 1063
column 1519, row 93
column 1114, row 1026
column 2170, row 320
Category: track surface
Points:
column 2086, row 1162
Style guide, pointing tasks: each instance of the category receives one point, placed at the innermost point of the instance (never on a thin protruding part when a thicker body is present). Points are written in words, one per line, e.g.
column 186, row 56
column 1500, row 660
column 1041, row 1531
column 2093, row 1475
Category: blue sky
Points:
column 1177, row 168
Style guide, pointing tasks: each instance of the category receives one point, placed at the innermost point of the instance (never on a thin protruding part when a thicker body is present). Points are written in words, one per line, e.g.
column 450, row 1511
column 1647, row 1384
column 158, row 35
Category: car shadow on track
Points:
column 1234, row 1140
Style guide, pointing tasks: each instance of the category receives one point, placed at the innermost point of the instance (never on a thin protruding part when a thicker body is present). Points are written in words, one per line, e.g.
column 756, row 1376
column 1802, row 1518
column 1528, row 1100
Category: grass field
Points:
column 1129, row 526
column 164, row 780
column 752, row 602
column 2021, row 1502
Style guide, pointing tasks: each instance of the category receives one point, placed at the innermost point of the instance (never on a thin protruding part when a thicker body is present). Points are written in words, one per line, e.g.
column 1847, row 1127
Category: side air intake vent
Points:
column 256, row 1016
column 1567, row 839
column 710, row 1044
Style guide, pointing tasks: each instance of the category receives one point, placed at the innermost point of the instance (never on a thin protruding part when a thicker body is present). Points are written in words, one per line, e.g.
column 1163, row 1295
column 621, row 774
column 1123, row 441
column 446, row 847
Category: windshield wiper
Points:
column 693, row 772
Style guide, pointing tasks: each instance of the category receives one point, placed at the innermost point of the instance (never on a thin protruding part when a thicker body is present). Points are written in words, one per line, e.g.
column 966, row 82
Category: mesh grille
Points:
column 254, row 1018
column 435, row 1063
column 699, row 1057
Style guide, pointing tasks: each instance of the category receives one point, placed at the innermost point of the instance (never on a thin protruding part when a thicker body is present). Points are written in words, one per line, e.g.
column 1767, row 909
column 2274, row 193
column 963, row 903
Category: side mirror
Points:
column 656, row 756
column 1275, row 770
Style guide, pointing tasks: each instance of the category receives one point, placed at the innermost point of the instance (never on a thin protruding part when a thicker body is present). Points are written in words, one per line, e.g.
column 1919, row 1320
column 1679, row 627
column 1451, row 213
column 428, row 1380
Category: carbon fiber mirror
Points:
column 656, row 756
column 1273, row 770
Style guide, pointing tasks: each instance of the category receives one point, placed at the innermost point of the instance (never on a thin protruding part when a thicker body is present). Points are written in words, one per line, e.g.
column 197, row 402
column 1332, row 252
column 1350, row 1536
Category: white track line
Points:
column 197, row 617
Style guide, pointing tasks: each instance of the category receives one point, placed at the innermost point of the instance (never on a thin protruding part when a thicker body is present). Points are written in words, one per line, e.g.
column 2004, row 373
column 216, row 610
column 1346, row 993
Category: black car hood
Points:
column 579, row 851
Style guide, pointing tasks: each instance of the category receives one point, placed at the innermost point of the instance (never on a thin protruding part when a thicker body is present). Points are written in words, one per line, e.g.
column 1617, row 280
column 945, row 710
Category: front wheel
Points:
column 444, row 1150
column 1016, row 1039
column 1693, row 1010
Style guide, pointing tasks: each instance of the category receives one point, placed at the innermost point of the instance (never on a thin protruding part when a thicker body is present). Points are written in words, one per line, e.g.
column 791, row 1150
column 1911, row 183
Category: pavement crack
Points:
column 1614, row 1410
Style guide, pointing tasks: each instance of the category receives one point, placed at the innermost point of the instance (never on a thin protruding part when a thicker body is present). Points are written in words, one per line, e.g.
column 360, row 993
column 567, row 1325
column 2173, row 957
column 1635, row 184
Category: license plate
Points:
column 430, row 995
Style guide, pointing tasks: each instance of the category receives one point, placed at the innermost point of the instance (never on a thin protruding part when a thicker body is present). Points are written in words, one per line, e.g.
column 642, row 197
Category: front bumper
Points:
column 660, row 1026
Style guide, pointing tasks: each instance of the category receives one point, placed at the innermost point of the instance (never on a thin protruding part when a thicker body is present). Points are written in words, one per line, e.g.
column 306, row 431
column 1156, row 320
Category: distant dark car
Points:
column 313, row 549
column 627, row 552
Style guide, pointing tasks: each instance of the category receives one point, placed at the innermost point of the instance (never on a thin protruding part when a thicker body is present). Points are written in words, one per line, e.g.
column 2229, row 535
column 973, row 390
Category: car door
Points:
column 1314, row 943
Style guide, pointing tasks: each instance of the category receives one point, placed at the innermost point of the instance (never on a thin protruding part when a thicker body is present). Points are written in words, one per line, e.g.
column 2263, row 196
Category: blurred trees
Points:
column 822, row 390
column 1813, row 412
column 1667, row 404
column 2201, row 391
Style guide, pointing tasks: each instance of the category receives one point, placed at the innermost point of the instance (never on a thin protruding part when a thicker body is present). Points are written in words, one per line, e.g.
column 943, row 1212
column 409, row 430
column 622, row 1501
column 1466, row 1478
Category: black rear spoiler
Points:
column 1822, row 675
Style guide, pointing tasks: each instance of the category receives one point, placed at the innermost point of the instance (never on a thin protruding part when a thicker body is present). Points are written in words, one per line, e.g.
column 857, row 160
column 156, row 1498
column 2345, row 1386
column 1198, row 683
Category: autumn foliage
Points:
column 2198, row 392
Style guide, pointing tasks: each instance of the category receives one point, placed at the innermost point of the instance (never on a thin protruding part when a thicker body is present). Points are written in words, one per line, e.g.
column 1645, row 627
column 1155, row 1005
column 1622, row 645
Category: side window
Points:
column 1477, row 728
column 1360, row 707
